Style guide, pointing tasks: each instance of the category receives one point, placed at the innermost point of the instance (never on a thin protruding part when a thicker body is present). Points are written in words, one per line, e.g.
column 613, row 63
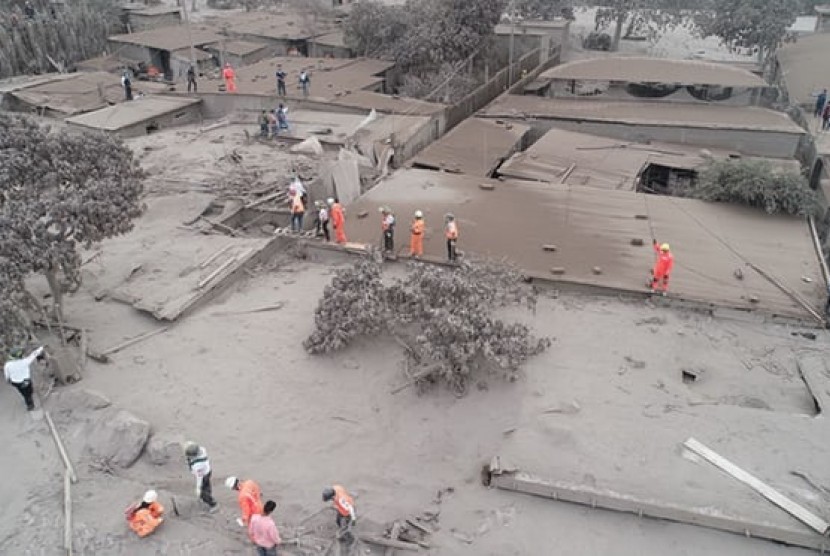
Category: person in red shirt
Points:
column 230, row 78
column 662, row 267
column 263, row 531
column 249, row 497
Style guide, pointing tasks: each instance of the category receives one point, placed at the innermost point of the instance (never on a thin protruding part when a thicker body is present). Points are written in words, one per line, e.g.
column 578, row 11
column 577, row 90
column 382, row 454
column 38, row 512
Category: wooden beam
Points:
column 140, row 338
column 67, row 463
column 380, row 541
column 704, row 516
column 67, row 512
column 796, row 510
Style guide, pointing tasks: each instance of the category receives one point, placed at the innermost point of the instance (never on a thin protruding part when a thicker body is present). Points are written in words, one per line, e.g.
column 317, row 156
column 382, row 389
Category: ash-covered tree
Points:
column 755, row 183
column 649, row 17
column 756, row 25
column 423, row 36
column 59, row 192
column 543, row 9
column 444, row 317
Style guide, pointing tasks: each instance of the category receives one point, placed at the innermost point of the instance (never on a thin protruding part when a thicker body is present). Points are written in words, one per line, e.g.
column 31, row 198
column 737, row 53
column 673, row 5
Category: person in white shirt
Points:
column 18, row 373
column 197, row 460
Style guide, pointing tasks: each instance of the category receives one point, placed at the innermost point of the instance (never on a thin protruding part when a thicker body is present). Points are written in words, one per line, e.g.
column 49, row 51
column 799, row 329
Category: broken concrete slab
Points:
column 792, row 533
column 816, row 376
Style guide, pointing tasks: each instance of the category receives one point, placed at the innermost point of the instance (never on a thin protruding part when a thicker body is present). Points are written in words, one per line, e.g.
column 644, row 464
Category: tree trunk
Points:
column 57, row 296
column 194, row 6
column 615, row 44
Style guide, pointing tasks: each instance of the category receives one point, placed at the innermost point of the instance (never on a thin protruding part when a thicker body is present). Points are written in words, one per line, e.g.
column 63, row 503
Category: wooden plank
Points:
column 707, row 516
column 140, row 338
column 393, row 534
column 380, row 541
column 67, row 463
column 796, row 510
column 67, row 512
column 205, row 281
column 213, row 257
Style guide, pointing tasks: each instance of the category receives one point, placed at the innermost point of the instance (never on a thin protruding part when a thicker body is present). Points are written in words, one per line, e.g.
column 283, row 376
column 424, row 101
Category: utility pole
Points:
column 189, row 35
column 512, row 11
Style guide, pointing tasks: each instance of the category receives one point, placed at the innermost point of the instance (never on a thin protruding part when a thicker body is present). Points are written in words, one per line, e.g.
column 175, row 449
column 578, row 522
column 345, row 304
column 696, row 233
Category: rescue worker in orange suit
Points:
column 387, row 226
column 230, row 78
column 343, row 503
column 416, row 239
column 662, row 267
column 144, row 517
column 249, row 498
column 338, row 220
column 451, row 231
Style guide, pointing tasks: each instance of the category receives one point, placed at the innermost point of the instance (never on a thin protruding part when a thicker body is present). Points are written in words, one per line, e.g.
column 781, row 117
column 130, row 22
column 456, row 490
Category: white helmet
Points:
column 419, row 214
column 330, row 201
column 150, row 496
column 230, row 482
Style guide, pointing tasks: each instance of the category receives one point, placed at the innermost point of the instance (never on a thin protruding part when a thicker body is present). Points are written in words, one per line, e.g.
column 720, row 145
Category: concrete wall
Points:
column 754, row 143
column 329, row 51
column 185, row 115
column 128, row 51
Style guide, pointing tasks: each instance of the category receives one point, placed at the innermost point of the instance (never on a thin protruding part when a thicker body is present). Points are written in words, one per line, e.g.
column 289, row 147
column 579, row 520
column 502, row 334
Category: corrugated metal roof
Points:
column 635, row 69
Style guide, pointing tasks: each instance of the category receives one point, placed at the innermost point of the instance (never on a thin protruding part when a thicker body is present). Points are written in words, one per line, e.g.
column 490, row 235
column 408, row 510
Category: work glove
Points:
column 198, row 492
column 240, row 522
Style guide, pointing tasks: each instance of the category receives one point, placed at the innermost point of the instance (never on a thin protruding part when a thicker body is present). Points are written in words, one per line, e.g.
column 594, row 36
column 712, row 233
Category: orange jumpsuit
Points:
column 344, row 504
column 338, row 220
column 250, row 500
column 416, row 240
column 662, row 268
column 230, row 79
column 145, row 520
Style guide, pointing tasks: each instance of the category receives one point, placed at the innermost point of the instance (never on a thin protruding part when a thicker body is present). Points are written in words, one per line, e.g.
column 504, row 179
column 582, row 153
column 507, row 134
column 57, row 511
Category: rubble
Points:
column 117, row 437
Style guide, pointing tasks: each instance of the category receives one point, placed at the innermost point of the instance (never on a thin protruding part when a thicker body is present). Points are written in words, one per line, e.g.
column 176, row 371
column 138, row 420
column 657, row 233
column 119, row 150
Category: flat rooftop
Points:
column 475, row 147
column 80, row 92
column 573, row 158
column 174, row 37
column 270, row 25
column 126, row 114
column 389, row 104
column 637, row 69
column 330, row 77
column 643, row 113
column 594, row 228
column 804, row 67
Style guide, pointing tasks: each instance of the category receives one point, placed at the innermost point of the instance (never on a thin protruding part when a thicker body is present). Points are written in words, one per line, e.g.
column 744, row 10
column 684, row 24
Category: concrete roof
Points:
column 474, row 147
column 126, row 114
column 174, row 37
column 80, row 92
column 655, row 70
column 276, row 26
column 370, row 100
column 330, row 77
column 594, row 228
column 805, row 67
column 657, row 113
column 238, row 48
column 573, row 158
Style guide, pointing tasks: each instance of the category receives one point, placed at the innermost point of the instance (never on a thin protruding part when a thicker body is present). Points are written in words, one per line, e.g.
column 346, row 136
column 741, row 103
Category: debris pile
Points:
column 443, row 317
